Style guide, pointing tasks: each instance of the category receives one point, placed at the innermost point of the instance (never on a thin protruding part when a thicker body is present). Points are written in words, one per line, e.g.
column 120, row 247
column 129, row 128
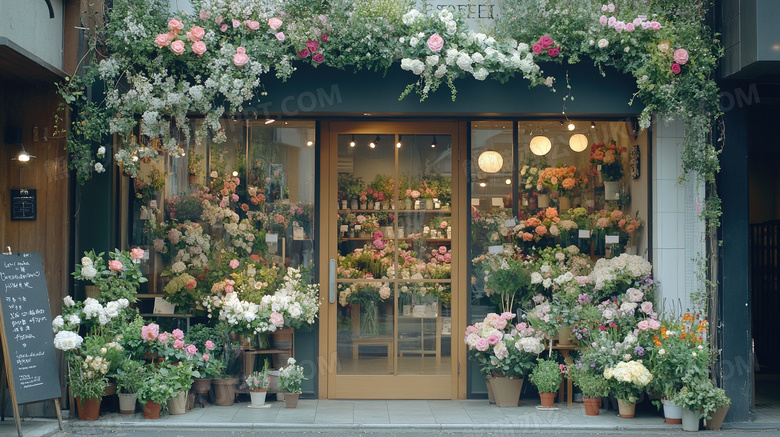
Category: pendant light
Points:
column 578, row 142
column 490, row 161
column 540, row 145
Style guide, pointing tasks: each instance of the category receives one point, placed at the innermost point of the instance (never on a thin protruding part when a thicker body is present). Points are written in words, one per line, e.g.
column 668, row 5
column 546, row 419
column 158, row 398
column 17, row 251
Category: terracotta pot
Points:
column 152, row 410
column 592, row 406
column 178, row 404
column 258, row 396
column 547, row 399
column 201, row 385
column 127, row 402
column 225, row 391
column 672, row 412
column 717, row 418
column 626, row 408
column 491, row 397
column 506, row 390
column 89, row 409
column 291, row 399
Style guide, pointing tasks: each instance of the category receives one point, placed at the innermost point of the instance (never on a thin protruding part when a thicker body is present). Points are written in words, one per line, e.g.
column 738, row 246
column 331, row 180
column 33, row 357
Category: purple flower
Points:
column 640, row 351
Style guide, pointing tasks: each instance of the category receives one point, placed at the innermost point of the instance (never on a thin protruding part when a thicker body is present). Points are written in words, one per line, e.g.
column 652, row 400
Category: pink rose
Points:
column 206, row 357
column 178, row 344
column 681, row 56
column 303, row 53
column 435, row 42
column 178, row 334
column 204, row 15
column 191, row 349
column 630, row 27
column 150, row 331
column 234, row 197
column 545, row 41
column 280, row 36
column 277, row 319
column 676, row 68
column 481, row 345
column 234, row 264
column 494, row 339
column 199, row 47
column 611, row 21
column 175, row 25
column 196, row 33
column 241, row 50
column 324, row 37
column 136, row 253
column 218, row 20
column 274, row 23
column 115, row 265
column 163, row 40
column 442, row 250
column 538, row 49
column 318, row 58
column 447, row 257
column 209, row 345
column 240, row 59
column 619, row 26
column 553, row 52
column 236, row 24
column 163, row 337
column 643, row 325
column 178, row 47
column 223, row 27
column 603, row 20
column 655, row 25
column 646, row 307
column 252, row 25
column 312, row 45
column 654, row 324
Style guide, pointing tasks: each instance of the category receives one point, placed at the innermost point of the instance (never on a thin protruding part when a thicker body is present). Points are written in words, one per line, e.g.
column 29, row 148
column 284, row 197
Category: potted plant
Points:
column 290, row 379
column 627, row 381
column 721, row 402
column 593, row 387
column 194, row 167
column 258, row 383
column 699, row 398
column 154, row 391
column 86, row 385
column 180, row 376
column 128, row 380
column 546, row 376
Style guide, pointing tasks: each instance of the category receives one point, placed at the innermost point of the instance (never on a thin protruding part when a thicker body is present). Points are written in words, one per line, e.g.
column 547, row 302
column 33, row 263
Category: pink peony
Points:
column 178, row 344
column 150, row 331
column 447, row 257
column 236, row 24
column 553, row 52
column 136, row 253
column 206, row 357
column 163, row 337
column 538, row 49
column 178, row 47
column 681, row 56
column 676, row 68
column 545, row 41
column 277, row 319
column 178, row 334
column 442, row 250
column 435, row 42
column 280, row 36
column 163, row 40
column 115, row 265
column 195, row 34
column 191, row 349
column 175, row 25
column 318, row 58
column 199, row 47
column 274, row 23
column 209, row 345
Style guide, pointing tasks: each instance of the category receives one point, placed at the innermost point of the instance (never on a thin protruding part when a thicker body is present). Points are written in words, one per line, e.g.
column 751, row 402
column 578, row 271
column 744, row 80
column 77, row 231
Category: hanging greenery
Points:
column 160, row 67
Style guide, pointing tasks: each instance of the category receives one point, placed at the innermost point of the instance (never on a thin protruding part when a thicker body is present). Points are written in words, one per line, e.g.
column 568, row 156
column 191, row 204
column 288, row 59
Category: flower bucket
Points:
column 89, row 409
column 717, row 418
column 152, row 410
column 564, row 203
column 543, row 201
column 127, row 402
column 564, row 335
column 672, row 412
column 626, row 408
column 690, row 420
column 258, row 397
column 491, row 397
column 592, row 406
column 547, row 400
column 178, row 404
column 612, row 190
column 506, row 390
column 201, row 385
column 225, row 391
column 291, row 399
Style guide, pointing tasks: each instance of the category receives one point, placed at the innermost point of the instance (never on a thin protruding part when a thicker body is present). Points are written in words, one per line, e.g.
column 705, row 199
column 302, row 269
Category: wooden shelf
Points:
column 374, row 211
column 433, row 240
column 177, row 316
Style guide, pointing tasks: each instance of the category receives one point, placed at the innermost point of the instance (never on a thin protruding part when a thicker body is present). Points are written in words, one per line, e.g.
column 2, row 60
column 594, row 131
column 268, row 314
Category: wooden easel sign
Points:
column 25, row 327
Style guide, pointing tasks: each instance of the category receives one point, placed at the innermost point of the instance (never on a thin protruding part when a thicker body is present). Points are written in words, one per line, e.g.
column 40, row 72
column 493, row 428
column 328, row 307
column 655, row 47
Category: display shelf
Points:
column 406, row 326
column 404, row 211
column 429, row 240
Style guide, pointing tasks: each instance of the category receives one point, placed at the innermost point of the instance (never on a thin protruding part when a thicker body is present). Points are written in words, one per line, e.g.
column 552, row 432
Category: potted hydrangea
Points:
column 290, row 379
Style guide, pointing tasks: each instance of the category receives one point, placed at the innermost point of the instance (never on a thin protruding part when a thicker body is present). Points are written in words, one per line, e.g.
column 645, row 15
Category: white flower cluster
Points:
column 606, row 270
column 95, row 366
column 242, row 313
column 632, row 372
column 94, row 310
column 194, row 253
column 67, row 340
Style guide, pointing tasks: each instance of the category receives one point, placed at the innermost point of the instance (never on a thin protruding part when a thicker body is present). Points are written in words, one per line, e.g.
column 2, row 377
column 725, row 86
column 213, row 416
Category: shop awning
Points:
column 18, row 64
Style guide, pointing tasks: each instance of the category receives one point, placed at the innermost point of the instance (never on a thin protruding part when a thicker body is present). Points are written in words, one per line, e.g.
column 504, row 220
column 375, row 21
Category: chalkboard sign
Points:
column 28, row 342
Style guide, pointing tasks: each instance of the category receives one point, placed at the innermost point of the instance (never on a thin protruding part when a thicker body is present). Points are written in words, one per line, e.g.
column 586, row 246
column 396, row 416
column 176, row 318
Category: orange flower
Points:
column 663, row 333
column 687, row 317
column 656, row 341
column 683, row 335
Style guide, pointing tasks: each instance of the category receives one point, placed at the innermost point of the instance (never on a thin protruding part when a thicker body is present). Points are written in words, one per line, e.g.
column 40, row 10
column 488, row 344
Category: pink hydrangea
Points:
column 277, row 319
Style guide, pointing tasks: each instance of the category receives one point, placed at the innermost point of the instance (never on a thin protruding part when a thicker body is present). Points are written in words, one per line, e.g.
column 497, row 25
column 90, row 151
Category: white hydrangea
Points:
column 67, row 340
column 432, row 60
column 441, row 71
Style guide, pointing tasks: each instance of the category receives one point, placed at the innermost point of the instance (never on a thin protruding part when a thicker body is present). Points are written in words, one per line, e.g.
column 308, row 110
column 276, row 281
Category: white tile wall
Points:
column 677, row 231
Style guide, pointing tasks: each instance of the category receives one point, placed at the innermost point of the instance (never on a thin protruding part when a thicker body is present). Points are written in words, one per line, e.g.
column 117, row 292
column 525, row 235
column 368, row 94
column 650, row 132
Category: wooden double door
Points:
column 393, row 232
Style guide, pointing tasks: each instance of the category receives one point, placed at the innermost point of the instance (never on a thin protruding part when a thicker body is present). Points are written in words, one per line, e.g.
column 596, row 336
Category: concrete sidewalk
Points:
column 454, row 416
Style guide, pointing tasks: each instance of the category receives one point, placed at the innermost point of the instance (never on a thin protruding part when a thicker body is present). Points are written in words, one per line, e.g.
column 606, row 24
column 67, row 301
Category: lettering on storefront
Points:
column 480, row 15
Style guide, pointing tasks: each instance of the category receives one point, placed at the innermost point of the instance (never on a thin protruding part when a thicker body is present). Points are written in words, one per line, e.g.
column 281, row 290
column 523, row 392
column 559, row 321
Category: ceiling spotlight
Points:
column 373, row 144
column 508, row 181
column 433, row 144
column 352, row 143
column 592, row 125
column 483, row 184
column 269, row 121
column 571, row 126
column 398, row 144
column 310, row 143
column 235, row 173
column 561, row 122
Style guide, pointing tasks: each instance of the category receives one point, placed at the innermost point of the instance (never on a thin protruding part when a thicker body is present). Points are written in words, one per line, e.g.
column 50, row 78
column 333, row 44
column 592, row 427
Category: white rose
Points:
column 441, row 71
column 413, row 41
column 432, row 60
column 662, row 352
column 101, row 150
column 99, row 167
column 481, row 74
column 452, row 27
column 418, row 67
column 603, row 43
column 88, row 272
column 57, row 323
column 547, row 283
column 86, row 261
column 68, row 301
column 478, row 58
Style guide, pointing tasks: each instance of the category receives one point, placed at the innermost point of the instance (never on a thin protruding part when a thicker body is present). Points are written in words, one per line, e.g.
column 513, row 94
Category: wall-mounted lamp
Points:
column 482, row 184
column 269, row 121
column 23, row 156
column 571, row 126
column 578, row 142
column 309, row 143
column 592, row 125
column 398, row 144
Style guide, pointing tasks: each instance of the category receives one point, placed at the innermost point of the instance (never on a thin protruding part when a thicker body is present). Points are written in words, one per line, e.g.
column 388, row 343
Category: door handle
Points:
column 332, row 281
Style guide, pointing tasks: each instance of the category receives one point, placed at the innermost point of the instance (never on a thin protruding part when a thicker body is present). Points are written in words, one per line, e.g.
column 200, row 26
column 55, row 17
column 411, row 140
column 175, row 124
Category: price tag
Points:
column 584, row 233
column 358, row 227
column 495, row 250
column 146, row 255
column 344, row 228
column 474, row 201
column 497, row 201
column 271, row 238
column 612, row 239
